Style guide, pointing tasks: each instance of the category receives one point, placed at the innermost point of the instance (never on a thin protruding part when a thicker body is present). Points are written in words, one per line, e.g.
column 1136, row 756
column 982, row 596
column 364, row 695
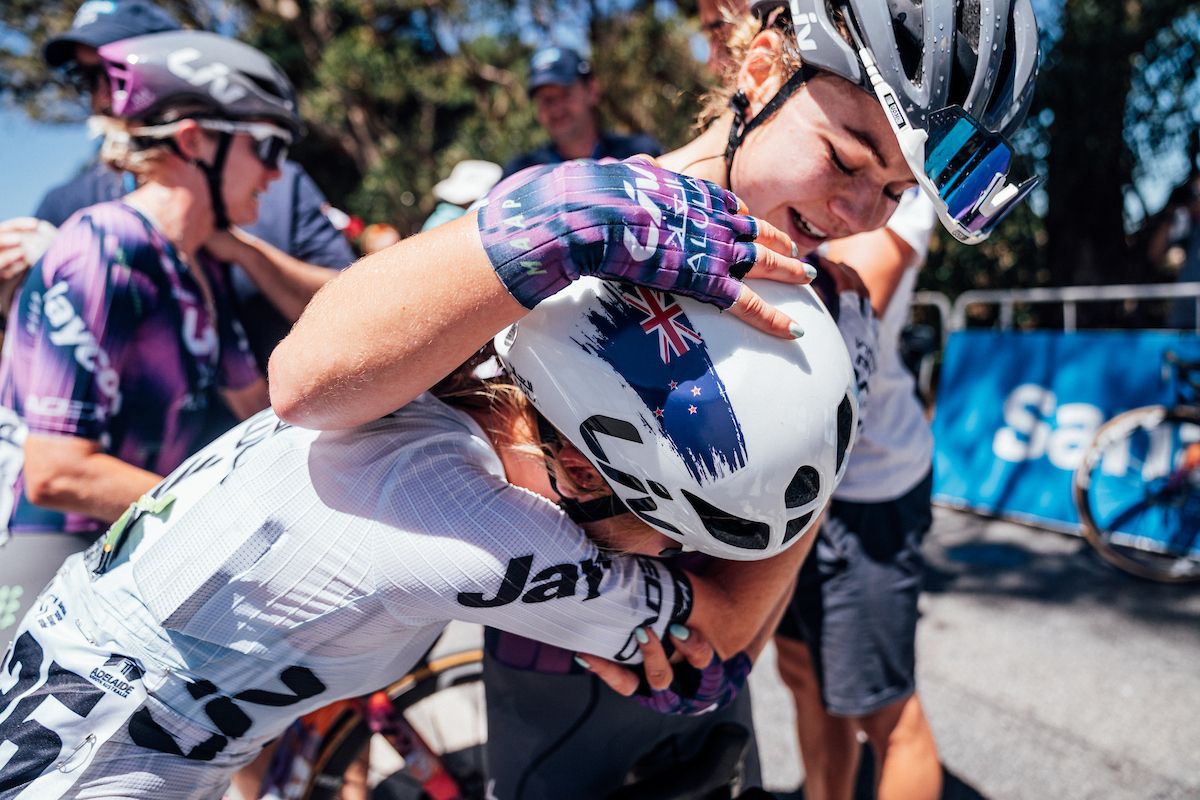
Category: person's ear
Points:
column 579, row 470
column 193, row 143
column 760, row 76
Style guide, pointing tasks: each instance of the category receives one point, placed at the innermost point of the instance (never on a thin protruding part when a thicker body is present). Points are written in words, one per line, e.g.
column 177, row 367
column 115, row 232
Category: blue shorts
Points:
column 855, row 603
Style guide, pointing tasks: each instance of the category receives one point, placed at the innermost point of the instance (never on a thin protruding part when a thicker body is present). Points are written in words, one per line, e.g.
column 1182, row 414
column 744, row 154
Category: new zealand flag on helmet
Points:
column 647, row 338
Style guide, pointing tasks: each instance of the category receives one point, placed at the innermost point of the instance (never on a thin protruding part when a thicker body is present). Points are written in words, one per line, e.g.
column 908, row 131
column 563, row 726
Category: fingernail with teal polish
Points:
column 795, row 330
column 641, row 635
column 810, row 271
column 795, row 251
column 679, row 632
column 583, row 663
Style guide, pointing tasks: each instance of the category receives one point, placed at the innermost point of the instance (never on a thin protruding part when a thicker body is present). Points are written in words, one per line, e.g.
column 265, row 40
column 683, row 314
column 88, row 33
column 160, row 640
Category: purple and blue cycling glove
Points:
column 698, row 691
column 626, row 221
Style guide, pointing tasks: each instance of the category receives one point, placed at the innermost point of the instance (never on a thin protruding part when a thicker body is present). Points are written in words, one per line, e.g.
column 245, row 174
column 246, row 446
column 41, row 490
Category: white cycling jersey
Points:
column 895, row 446
column 287, row 568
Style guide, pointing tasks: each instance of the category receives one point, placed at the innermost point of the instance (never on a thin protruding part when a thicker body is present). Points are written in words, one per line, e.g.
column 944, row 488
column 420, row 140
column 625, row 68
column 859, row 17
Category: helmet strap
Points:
column 600, row 508
column 741, row 127
column 212, row 174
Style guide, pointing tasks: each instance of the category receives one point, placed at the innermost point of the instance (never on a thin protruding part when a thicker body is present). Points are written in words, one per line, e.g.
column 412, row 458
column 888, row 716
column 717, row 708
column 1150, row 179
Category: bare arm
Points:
column 390, row 327
column 287, row 282
column 400, row 320
column 880, row 258
column 738, row 604
column 67, row 473
column 710, row 614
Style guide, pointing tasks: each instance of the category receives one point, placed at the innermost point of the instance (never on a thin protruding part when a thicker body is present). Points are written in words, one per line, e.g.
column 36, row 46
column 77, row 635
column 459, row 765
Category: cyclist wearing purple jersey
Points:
column 117, row 342
column 122, row 354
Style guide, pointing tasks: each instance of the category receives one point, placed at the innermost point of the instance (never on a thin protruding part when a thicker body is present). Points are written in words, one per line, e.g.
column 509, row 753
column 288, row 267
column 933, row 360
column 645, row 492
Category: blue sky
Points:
column 34, row 157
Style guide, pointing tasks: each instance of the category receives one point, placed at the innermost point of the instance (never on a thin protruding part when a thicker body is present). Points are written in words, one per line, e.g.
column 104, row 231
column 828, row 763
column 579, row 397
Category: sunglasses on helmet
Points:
column 270, row 141
column 962, row 167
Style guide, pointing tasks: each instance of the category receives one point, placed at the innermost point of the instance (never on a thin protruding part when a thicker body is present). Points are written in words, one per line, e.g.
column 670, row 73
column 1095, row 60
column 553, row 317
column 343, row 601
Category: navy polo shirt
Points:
column 611, row 145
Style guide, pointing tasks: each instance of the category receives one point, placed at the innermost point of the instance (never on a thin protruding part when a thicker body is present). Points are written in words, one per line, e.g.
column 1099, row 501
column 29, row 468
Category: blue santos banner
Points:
column 1016, row 411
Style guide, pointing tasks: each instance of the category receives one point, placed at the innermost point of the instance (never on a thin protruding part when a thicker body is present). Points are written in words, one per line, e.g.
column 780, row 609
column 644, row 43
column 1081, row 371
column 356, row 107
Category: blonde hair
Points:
column 122, row 150
column 465, row 390
column 139, row 146
column 743, row 28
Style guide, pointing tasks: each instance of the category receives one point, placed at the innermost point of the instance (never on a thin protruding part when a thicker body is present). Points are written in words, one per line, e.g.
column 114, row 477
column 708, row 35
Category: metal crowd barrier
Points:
column 1069, row 297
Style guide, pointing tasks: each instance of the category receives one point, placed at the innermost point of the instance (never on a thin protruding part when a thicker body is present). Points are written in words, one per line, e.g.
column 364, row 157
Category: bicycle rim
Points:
column 1137, row 498
column 443, row 703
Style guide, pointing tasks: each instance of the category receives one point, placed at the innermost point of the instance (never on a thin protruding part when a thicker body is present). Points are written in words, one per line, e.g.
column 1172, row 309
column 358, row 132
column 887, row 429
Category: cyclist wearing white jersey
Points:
column 280, row 569
column 802, row 144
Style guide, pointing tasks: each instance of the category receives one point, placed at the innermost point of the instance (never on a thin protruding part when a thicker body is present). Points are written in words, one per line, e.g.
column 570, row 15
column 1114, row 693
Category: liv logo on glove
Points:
column 626, row 221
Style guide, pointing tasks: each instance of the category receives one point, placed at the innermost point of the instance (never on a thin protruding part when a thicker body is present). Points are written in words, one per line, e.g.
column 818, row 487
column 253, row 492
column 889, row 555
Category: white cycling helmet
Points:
column 725, row 439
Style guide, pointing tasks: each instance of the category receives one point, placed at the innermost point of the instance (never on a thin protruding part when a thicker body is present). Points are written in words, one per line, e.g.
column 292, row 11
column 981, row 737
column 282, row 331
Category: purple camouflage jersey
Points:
column 111, row 339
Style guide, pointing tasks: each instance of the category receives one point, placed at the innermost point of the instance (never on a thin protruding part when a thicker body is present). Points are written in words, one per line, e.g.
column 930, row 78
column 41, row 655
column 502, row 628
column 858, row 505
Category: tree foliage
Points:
column 395, row 92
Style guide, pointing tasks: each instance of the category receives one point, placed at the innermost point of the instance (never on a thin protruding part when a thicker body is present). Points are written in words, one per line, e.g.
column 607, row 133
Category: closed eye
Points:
column 837, row 162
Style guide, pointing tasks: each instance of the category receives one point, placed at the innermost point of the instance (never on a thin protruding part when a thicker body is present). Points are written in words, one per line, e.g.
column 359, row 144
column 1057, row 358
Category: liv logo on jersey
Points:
column 647, row 338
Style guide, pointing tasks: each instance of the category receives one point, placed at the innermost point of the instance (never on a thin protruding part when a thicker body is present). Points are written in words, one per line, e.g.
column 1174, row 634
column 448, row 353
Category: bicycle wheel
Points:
column 430, row 745
column 1137, row 491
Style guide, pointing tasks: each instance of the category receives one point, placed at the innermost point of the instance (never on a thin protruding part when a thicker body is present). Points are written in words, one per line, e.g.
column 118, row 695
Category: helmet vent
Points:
column 845, row 426
column 795, row 526
column 804, row 488
column 655, row 521
column 623, row 478
column 659, row 489
column 269, row 88
column 728, row 528
column 908, row 30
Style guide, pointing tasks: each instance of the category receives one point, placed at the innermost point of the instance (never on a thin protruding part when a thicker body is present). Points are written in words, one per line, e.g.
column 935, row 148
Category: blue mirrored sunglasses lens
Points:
column 966, row 163
column 977, row 223
column 963, row 160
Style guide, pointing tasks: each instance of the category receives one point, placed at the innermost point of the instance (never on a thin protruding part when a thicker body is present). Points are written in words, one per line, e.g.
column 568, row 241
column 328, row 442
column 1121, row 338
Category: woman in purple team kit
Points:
column 122, row 355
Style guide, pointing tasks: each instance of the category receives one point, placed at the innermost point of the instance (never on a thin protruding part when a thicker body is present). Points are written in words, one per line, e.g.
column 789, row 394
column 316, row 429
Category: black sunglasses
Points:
column 84, row 78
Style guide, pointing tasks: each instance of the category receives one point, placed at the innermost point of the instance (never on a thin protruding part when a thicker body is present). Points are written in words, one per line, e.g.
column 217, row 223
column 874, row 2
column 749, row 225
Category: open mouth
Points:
column 806, row 227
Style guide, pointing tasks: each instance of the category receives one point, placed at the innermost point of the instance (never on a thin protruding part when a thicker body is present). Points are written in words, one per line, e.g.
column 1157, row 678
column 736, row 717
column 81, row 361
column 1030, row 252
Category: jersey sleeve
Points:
column 501, row 556
column 77, row 325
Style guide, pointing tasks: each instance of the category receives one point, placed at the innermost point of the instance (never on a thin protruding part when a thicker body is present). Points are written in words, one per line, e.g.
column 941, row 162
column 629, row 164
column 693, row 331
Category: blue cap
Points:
column 100, row 22
column 560, row 66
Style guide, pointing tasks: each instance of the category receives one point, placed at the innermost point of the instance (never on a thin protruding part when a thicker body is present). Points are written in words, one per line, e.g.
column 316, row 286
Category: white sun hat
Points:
column 468, row 181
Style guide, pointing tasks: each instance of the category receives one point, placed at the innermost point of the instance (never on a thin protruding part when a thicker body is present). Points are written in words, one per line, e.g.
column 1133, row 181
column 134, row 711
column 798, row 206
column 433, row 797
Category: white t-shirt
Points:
column 312, row 566
column 895, row 446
